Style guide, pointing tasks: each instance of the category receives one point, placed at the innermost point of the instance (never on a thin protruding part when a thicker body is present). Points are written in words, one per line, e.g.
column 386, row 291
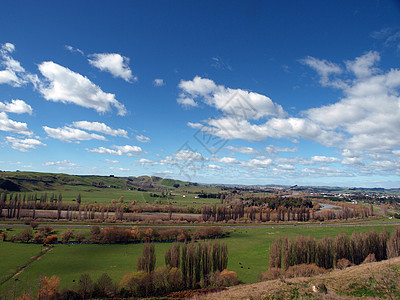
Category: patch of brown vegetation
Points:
column 340, row 284
column 194, row 293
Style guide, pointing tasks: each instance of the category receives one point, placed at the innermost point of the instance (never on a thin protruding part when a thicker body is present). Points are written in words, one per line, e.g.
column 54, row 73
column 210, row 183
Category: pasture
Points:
column 248, row 255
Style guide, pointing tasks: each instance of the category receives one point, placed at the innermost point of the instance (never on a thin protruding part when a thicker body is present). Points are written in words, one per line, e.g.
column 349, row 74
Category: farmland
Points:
column 248, row 255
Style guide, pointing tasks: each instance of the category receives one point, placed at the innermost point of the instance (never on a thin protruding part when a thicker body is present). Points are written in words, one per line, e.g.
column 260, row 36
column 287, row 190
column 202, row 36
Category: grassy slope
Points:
column 364, row 281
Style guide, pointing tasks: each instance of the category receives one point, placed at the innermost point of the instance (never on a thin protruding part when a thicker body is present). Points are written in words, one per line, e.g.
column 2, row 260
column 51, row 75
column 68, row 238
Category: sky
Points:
column 233, row 92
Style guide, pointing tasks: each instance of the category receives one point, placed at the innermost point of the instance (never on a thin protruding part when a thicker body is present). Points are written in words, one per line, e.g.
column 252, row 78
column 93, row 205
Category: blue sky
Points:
column 256, row 92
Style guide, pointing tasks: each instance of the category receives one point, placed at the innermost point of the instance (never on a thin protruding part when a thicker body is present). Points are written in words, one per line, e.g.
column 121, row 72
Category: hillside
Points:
column 36, row 181
column 369, row 281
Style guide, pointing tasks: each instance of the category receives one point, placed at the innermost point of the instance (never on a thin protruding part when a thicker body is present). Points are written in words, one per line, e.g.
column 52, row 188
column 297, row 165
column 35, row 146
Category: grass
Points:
column 248, row 255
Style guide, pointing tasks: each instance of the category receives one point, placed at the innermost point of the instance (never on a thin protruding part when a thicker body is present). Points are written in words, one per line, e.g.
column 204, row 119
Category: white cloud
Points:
column 67, row 86
column 114, row 63
column 244, row 150
column 119, row 169
column 258, row 163
column 271, row 149
column 60, row 163
column 324, row 68
column 74, row 50
column 13, row 126
column 158, row 82
column 68, row 134
column 146, row 161
column 127, row 150
column 24, row 145
column 228, row 160
column 363, row 66
column 325, row 159
column 187, row 155
column 143, row 139
column 286, row 167
column 238, row 103
column 214, row 167
column 14, row 72
column 100, row 127
column 111, row 161
column 369, row 113
column 186, row 101
column 16, row 106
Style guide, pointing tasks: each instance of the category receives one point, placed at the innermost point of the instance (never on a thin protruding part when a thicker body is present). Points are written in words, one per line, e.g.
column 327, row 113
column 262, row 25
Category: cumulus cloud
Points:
column 113, row 63
column 60, row 163
column 187, row 155
column 143, row 139
column 324, row 68
column 271, row 149
column 68, row 134
column 100, row 127
column 186, row 101
column 13, row 126
column 24, row 145
column 13, row 74
column 244, row 150
column 238, row 103
column 258, row 163
column 366, row 117
column 111, row 161
column 228, row 160
column 16, row 106
column 127, row 150
column 324, row 159
column 369, row 113
column 66, row 86
column 158, row 82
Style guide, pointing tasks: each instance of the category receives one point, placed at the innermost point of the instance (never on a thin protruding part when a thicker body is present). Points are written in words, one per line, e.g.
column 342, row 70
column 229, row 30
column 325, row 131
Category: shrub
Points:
column 104, row 287
column 175, row 278
column 304, row 270
column 3, row 236
column 85, row 286
column 39, row 237
column 67, row 235
column 80, row 237
column 26, row 235
column 271, row 274
column 51, row 239
column 47, row 230
column 134, row 283
column 343, row 263
column 34, row 224
column 49, row 287
column 369, row 259
column 225, row 278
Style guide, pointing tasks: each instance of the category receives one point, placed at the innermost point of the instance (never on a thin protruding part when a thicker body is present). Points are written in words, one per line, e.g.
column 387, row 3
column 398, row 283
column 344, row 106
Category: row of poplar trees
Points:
column 196, row 261
column 328, row 251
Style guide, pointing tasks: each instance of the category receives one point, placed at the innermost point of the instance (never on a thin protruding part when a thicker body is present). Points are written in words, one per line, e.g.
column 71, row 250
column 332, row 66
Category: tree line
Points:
column 111, row 235
column 330, row 252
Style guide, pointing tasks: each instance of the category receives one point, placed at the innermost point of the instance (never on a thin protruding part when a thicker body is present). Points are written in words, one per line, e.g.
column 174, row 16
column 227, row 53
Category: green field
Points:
column 248, row 256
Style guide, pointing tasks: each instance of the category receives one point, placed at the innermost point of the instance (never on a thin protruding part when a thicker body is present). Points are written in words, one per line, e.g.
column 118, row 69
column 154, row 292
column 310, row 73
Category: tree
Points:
column 104, row 287
column 275, row 253
column 49, row 287
column 147, row 261
column 85, row 286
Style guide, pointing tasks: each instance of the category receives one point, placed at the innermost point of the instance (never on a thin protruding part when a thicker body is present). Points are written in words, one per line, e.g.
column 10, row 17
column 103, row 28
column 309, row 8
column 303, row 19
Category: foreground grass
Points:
column 248, row 256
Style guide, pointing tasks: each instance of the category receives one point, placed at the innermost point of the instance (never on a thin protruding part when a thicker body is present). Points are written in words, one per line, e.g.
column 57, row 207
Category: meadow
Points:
column 248, row 256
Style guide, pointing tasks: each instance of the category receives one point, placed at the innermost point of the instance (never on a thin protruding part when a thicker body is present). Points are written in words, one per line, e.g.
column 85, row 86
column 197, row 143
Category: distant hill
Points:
column 36, row 181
